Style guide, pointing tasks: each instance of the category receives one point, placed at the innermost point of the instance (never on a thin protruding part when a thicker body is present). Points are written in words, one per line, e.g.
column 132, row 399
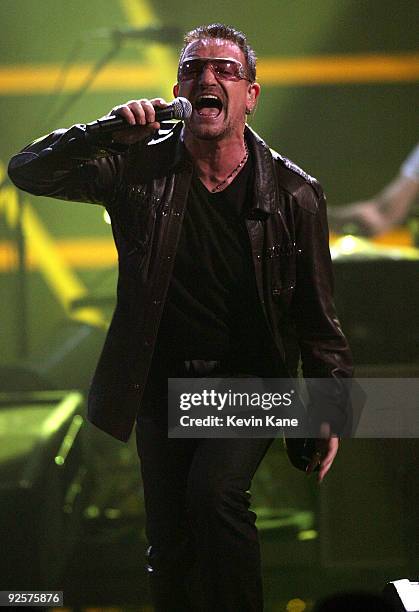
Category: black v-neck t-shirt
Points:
column 212, row 310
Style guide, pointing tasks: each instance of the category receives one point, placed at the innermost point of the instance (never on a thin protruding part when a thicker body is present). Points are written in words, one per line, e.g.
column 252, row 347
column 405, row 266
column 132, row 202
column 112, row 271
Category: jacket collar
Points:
column 265, row 182
column 265, row 185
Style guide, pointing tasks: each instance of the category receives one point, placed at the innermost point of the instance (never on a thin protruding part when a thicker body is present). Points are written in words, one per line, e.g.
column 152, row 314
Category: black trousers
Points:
column 204, row 551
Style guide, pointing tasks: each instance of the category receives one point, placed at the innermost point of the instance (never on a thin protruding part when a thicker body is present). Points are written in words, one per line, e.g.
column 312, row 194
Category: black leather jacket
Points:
column 144, row 188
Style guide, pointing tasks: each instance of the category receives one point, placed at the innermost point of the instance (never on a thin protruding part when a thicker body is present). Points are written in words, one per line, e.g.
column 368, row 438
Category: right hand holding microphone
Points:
column 138, row 119
column 141, row 115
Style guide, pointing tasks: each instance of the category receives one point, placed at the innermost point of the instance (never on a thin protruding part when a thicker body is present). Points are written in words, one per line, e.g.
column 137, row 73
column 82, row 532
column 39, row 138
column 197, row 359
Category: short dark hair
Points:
column 219, row 30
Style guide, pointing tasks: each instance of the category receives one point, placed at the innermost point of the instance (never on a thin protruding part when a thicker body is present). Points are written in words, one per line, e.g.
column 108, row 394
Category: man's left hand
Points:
column 326, row 450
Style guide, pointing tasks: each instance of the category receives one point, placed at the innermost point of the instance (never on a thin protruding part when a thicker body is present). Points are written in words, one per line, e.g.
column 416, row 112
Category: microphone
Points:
column 180, row 108
column 169, row 35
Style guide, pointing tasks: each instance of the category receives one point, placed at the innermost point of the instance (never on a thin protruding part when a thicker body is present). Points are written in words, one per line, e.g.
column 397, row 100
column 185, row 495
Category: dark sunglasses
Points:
column 223, row 68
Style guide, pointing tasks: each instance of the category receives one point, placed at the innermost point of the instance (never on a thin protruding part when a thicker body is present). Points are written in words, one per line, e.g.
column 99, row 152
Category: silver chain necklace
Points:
column 233, row 172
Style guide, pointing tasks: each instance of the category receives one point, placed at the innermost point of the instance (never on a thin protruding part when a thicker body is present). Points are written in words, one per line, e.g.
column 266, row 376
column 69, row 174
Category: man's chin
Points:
column 207, row 132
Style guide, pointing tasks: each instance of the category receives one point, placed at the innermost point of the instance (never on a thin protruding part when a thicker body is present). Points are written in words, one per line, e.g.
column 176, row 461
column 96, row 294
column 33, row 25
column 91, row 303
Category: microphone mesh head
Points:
column 182, row 108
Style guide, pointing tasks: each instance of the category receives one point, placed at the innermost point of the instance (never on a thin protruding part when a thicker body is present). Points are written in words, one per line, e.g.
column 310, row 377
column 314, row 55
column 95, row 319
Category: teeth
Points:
column 210, row 101
column 208, row 96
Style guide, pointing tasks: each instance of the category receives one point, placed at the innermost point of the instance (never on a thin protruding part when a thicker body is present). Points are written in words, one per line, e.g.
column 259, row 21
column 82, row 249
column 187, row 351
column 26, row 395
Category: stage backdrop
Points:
column 339, row 83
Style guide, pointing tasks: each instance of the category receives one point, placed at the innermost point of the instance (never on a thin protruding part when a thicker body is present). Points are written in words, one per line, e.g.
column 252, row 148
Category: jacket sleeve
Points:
column 66, row 164
column 324, row 349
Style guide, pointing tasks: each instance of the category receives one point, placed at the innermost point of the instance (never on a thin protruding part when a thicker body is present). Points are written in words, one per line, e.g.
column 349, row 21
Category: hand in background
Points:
column 372, row 217
column 363, row 218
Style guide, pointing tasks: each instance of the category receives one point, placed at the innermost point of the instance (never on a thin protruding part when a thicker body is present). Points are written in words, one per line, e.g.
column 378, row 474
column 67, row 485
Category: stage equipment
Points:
column 403, row 595
column 377, row 299
column 164, row 35
column 66, row 360
column 368, row 506
column 42, row 478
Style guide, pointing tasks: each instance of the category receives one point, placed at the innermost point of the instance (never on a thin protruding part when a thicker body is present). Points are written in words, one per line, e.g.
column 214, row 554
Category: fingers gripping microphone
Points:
column 180, row 108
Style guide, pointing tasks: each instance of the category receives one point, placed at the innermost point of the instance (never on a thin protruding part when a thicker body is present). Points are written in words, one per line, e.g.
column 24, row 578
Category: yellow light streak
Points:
column 84, row 253
column 41, row 79
column 138, row 12
column 57, row 273
column 160, row 59
column 159, row 71
column 92, row 252
column 339, row 69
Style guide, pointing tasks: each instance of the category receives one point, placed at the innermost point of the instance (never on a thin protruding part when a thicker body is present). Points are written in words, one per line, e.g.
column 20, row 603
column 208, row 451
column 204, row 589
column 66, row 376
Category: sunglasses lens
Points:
column 224, row 69
column 190, row 69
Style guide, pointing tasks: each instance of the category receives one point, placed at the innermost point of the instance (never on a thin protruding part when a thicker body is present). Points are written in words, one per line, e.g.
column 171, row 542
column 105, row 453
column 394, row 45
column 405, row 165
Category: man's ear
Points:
column 252, row 96
column 175, row 90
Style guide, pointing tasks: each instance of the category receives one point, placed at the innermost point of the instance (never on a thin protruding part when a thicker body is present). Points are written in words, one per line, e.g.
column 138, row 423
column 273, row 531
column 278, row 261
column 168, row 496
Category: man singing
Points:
column 224, row 269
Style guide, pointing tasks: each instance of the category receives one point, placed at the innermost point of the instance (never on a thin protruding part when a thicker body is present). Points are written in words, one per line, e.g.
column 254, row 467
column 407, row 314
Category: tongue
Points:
column 209, row 111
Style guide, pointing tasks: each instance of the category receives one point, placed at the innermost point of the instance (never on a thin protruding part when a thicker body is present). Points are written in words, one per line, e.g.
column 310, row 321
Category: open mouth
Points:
column 208, row 106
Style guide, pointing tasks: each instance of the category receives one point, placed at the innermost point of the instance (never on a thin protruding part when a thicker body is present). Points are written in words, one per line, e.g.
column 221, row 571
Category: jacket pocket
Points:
column 281, row 260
